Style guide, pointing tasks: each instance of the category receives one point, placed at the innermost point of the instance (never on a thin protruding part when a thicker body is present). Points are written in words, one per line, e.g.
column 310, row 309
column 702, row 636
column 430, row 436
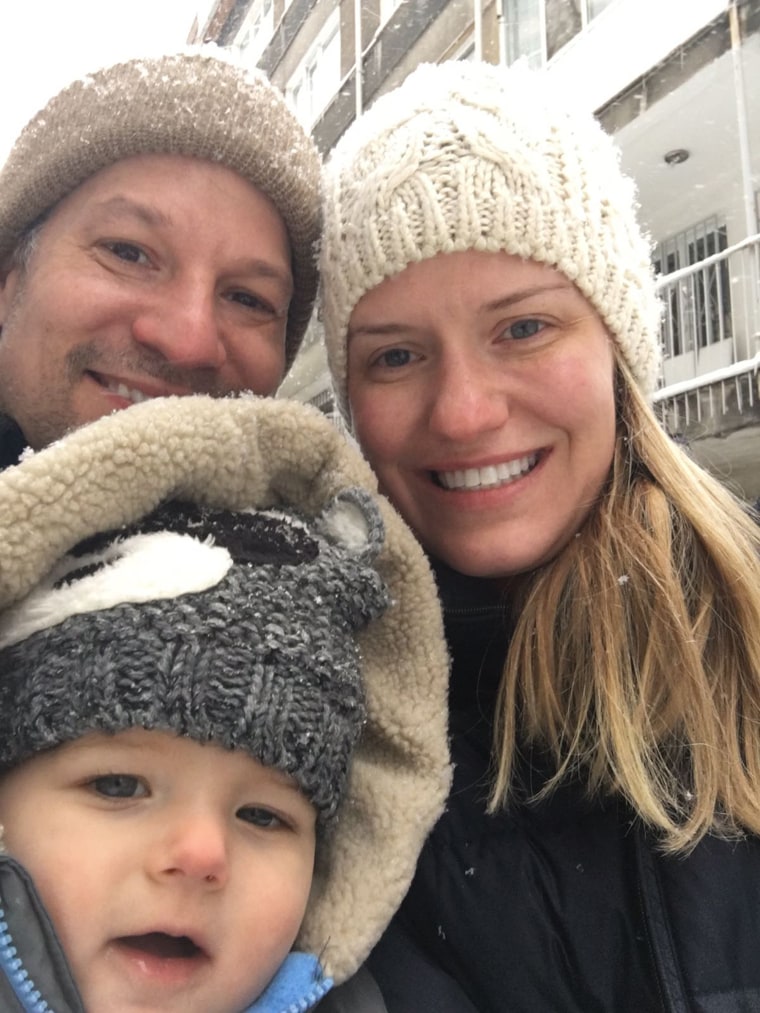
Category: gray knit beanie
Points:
column 471, row 156
column 232, row 627
column 197, row 102
column 260, row 454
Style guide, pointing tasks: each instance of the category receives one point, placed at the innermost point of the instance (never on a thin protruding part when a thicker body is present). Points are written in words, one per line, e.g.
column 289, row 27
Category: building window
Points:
column 563, row 22
column 525, row 31
column 538, row 29
column 256, row 31
column 698, row 306
column 317, row 78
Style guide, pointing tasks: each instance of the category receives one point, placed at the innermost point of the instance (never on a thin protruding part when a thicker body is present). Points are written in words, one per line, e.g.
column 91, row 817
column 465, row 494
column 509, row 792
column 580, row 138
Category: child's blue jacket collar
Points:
column 298, row 986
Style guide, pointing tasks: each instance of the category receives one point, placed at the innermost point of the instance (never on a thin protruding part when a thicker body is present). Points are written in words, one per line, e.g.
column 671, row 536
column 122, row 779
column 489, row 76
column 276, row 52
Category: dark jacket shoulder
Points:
column 359, row 994
column 566, row 904
column 12, row 442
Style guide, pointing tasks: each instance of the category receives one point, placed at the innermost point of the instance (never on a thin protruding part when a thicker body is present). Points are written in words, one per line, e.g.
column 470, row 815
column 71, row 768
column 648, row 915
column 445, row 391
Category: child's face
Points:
column 176, row 874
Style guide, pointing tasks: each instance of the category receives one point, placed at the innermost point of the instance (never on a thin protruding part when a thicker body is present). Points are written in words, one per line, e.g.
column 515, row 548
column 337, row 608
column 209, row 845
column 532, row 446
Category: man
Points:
column 157, row 229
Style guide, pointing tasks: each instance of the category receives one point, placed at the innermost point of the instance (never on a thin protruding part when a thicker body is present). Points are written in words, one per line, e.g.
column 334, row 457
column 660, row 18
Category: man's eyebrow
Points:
column 267, row 269
column 147, row 213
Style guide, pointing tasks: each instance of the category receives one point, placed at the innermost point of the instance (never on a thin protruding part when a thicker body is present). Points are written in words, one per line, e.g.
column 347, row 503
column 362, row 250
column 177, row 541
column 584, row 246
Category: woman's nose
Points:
column 469, row 398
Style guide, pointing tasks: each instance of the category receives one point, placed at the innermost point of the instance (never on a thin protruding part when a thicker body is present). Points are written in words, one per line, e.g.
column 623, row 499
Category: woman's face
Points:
column 481, row 389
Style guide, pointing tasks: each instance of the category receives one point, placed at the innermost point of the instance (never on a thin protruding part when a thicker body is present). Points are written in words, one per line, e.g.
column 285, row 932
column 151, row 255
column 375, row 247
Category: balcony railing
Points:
column 711, row 336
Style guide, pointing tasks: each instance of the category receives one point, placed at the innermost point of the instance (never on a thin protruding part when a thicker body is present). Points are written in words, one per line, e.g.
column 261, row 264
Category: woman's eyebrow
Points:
column 390, row 328
column 377, row 329
column 526, row 293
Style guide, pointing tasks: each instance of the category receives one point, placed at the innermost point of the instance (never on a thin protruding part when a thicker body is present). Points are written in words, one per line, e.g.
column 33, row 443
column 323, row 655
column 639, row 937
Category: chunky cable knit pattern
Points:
column 468, row 156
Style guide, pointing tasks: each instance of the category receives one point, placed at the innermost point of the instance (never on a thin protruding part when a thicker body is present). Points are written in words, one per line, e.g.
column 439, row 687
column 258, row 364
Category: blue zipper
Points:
column 27, row 993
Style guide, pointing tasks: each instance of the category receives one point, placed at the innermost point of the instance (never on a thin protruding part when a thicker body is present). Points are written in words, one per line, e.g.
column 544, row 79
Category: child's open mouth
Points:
column 163, row 959
column 162, row 945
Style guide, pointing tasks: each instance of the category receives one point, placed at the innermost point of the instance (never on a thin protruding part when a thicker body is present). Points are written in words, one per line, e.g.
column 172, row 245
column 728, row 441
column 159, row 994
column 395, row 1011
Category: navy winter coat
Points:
column 565, row 906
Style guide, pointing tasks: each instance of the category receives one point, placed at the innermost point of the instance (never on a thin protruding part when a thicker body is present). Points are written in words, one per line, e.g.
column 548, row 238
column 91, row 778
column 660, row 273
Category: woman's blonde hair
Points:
column 636, row 654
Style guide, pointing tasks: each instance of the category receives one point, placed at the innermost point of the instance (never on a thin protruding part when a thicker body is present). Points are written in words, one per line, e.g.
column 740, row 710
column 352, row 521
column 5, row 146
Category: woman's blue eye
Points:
column 117, row 786
column 524, row 329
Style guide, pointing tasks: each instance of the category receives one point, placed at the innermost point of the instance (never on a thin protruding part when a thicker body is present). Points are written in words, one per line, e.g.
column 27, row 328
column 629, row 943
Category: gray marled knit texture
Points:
column 266, row 661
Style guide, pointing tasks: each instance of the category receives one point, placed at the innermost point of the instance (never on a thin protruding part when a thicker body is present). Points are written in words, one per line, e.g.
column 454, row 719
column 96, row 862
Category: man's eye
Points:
column 118, row 786
column 126, row 251
column 260, row 817
column 525, row 329
column 253, row 302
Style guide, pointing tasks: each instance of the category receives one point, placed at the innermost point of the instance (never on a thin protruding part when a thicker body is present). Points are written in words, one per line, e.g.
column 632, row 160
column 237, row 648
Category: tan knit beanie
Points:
column 196, row 102
column 471, row 156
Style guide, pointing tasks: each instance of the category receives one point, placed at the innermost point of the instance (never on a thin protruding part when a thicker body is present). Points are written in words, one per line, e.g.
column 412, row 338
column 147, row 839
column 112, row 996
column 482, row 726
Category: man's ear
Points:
column 3, row 299
column 9, row 279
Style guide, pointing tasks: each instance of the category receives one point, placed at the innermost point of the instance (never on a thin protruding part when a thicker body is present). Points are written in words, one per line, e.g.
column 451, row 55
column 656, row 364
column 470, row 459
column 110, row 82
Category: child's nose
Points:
column 195, row 847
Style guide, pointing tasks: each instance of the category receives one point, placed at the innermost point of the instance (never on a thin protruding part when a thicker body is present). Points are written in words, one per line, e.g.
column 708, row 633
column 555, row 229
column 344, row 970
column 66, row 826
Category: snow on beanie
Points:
column 232, row 627
column 197, row 102
column 471, row 156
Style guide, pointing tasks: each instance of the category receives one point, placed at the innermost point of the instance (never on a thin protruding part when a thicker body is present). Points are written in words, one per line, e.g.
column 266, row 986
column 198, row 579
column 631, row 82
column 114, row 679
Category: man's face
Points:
column 176, row 874
column 159, row 275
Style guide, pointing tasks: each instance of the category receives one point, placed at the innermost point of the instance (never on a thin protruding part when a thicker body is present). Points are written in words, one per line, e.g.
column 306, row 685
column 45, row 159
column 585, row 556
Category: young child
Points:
column 193, row 647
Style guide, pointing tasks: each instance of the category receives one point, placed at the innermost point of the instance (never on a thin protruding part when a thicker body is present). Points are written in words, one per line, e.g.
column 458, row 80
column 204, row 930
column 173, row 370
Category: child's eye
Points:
column 118, row 786
column 257, row 816
column 524, row 329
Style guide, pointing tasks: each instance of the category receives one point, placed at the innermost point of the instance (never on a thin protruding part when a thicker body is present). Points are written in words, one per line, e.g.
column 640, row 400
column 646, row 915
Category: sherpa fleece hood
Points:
column 264, row 453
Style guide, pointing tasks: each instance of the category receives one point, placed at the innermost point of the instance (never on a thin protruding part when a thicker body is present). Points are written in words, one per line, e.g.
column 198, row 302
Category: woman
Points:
column 492, row 329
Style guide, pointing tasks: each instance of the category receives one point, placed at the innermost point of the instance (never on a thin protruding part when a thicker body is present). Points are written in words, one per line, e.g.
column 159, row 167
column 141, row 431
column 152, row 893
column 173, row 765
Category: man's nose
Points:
column 181, row 322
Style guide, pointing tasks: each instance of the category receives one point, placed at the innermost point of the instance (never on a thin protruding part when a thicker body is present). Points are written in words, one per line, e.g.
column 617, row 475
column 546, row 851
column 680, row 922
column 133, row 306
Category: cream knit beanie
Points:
column 471, row 156
column 196, row 102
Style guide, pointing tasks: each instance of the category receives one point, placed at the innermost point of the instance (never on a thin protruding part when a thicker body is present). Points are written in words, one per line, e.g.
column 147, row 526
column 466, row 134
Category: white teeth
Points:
column 129, row 393
column 489, row 477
